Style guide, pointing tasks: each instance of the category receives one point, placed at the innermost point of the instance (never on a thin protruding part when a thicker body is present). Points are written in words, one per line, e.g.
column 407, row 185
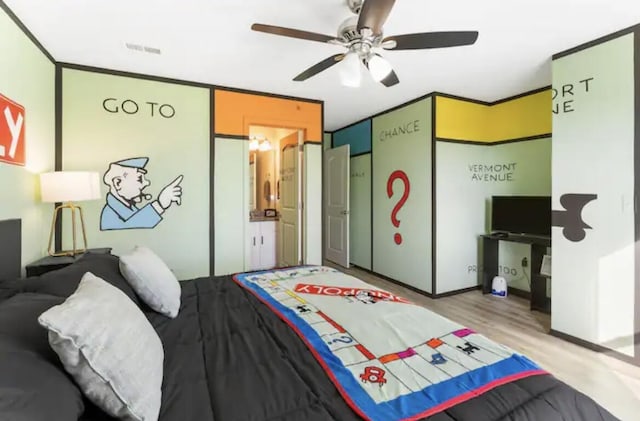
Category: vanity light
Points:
column 259, row 143
column 265, row 145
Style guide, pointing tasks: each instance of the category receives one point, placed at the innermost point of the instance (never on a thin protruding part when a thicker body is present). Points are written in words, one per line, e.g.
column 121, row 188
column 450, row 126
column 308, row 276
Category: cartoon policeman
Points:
column 126, row 180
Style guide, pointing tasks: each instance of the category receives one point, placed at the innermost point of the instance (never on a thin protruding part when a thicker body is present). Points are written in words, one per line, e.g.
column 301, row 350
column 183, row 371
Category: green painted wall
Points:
column 231, row 196
column 593, row 152
column 175, row 138
column 402, row 141
column 467, row 175
column 28, row 78
column 326, row 141
column 360, row 211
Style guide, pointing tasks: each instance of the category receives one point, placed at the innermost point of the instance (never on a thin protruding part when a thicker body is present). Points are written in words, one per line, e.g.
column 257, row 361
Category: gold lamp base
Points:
column 75, row 251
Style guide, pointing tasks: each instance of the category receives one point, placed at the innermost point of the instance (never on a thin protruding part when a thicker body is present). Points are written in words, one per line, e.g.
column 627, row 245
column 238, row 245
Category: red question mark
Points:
column 398, row 174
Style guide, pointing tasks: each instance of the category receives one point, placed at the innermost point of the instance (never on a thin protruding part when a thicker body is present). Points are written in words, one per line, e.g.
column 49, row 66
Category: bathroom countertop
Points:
column 264, row 218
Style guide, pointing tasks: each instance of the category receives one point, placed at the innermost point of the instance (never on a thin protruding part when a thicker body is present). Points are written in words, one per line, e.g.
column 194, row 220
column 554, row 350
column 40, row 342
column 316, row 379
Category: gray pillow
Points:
column 109, row 347
column 152, row 280
column 32, row 389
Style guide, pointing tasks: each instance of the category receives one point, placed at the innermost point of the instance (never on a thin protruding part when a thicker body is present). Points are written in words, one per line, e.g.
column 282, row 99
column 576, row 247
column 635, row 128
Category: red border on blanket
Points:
column 431, row 411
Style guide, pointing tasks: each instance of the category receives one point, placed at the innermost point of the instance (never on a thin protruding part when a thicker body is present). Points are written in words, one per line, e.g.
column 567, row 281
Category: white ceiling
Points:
column 210, row 41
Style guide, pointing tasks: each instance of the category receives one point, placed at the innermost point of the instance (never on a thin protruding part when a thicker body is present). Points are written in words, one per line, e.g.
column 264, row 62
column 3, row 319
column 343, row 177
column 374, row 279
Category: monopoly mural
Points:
column 123, row 209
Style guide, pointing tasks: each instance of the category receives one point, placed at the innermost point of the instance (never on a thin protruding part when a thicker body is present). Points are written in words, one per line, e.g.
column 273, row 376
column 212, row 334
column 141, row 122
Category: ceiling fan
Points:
column 362, row 35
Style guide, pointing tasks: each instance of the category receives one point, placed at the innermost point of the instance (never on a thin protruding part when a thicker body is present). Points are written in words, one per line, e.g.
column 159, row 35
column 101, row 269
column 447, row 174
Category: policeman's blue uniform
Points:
column 118, row 216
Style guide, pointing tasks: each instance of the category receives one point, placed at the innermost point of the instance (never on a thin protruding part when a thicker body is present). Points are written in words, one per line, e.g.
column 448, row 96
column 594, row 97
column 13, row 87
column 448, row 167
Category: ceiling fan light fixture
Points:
column 379, row 67
column 350, row 71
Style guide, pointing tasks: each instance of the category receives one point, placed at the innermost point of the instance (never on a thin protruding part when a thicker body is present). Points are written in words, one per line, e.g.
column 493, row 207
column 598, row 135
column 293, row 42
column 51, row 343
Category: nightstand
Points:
column 49, row 263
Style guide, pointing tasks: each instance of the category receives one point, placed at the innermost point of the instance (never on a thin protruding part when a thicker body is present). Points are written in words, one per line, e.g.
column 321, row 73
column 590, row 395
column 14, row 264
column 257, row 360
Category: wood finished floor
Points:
column 612, row 383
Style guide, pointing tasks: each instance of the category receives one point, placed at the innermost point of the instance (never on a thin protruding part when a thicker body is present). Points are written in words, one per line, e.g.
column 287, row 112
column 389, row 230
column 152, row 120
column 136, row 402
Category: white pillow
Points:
column 109, row 347
column 152, row 280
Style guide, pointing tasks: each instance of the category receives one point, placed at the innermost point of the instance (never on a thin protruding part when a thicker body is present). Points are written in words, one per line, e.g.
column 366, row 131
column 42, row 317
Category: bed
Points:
column 229, row 356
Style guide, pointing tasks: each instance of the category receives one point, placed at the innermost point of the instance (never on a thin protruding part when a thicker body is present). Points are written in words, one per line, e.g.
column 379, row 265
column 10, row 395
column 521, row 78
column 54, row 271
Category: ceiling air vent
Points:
column 143, row 48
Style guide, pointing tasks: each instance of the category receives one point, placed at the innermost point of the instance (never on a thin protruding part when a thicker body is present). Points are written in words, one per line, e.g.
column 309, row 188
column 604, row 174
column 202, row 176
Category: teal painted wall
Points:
column 358, row 136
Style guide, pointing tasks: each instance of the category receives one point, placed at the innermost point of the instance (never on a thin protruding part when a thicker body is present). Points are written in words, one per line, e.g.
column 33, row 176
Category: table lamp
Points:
column 67, row 187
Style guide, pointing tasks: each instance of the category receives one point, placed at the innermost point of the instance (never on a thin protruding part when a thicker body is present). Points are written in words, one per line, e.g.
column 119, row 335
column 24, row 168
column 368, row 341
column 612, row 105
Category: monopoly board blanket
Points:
column 390, row 359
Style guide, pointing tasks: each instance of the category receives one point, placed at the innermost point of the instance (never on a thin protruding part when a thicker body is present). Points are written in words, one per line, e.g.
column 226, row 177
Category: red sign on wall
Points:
column 11, row 132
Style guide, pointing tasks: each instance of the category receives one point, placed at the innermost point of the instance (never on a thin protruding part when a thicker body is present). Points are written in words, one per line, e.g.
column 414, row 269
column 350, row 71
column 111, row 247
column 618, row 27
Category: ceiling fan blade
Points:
column 319, row 67
column 379, row 69
column 390, row 80
column 292, row 33
column 374, row 14
column 429, row 40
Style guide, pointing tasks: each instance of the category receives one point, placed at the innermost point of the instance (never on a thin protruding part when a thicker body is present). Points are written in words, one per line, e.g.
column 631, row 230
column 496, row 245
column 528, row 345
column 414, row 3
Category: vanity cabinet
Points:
column 263, row 244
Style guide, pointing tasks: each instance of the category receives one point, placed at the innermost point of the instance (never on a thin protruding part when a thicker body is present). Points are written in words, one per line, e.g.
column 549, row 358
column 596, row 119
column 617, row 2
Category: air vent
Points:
column 143, row 48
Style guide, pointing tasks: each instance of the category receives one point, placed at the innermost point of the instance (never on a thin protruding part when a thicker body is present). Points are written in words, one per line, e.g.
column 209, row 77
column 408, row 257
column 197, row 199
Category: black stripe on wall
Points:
column 433, row 198
column 322, row 213
column 522, row 95
column 57, row 165
column 183, row 82
column 359, row 154
column 371, row 176
column 232, row 136
column 636, row 58
column 500, row 142
column 212, row 171
column 595, row 42
column 26, row 31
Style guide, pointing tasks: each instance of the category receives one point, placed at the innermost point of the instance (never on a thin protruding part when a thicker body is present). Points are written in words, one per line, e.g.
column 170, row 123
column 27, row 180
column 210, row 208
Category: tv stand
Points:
column 500, row 234
column 538, row 245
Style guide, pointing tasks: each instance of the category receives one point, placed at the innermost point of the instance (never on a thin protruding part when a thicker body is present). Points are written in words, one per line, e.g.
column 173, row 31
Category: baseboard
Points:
column 519, row 293
column 457, row 292
column 393, row 281
column 419, row 291
column 595, row 347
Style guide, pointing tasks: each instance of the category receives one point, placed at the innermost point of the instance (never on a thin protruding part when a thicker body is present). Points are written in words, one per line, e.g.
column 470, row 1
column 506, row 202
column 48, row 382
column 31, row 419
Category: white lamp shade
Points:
column 69, row 186
column 351, row 71
column 379, row 67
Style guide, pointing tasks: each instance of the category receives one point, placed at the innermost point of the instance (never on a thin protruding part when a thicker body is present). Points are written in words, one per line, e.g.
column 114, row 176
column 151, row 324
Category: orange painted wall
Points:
column 292, row 139
column 235, row 112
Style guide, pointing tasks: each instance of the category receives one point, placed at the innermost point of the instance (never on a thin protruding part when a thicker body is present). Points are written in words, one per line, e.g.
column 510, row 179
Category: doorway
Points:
column 275, row 192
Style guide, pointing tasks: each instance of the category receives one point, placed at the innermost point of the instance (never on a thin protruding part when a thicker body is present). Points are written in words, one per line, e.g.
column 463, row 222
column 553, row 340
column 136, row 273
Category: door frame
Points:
column 301, row 190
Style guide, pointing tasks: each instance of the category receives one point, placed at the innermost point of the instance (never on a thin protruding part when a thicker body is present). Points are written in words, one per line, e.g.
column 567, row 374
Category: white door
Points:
column 336, row 167
column 289, row 217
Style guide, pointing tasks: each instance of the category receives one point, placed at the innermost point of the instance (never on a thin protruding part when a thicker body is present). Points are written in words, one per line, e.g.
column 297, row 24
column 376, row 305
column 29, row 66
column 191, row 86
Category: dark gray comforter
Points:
column 228, row 357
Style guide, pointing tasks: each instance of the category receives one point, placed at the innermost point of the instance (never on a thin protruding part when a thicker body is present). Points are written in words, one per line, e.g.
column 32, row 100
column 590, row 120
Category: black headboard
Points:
column 10, row 248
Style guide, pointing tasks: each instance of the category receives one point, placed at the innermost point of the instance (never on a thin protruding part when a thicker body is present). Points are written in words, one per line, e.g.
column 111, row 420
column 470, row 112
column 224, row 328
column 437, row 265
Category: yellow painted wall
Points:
column 522, row 117
column 462, row 120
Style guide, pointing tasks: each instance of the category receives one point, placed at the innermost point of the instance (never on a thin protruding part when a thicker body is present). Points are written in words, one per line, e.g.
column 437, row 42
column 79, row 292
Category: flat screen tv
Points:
column 521, row 215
